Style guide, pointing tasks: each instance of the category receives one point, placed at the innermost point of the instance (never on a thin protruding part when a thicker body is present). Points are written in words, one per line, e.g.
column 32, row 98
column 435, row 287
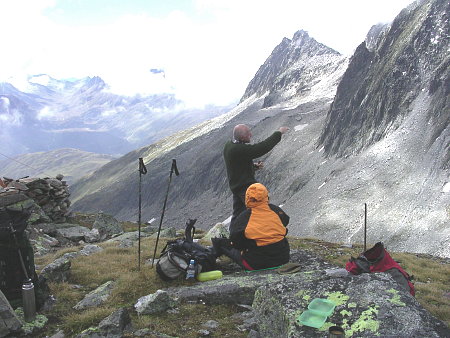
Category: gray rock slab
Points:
column 219, row 230
column 96, row 297
column 157, row 302
column 58, row 270
column 8, row 199
column 168, row 233
column 367, row 305
column 240, row 286
column 92, row 236
column 75, row 233
column 107, row 226
column 116, row 323
column 132, row 235
column 9, row 322
column 90, row 249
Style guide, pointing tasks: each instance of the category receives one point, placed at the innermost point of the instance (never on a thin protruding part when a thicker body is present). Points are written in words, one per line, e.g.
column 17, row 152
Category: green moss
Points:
column 365, row 322
column 28, row 327
column 304, row 294
column 351, row 305
column 345, row 313
column 338, row 298
column 396, row 298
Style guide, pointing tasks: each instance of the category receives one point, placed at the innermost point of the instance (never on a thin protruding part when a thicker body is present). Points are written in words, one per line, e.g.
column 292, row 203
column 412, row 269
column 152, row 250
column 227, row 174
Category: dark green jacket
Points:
column 239, row 160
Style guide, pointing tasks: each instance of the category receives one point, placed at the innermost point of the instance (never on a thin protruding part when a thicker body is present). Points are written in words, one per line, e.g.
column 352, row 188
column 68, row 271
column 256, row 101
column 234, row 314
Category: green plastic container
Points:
column 210, row 275
column 318, row 311
column 312, row 318
column 322, row 306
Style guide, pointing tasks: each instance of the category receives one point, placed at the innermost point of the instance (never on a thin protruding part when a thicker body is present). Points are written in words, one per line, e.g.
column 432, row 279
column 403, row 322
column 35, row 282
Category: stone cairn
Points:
column 51, row 194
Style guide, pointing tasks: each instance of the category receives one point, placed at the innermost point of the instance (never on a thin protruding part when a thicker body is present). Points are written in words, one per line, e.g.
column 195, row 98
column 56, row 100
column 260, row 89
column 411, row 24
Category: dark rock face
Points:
column 292, row 69
column 384, row 78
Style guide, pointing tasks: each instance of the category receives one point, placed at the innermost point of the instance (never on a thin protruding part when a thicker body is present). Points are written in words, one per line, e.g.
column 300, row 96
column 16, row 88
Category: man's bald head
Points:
column 242, row 133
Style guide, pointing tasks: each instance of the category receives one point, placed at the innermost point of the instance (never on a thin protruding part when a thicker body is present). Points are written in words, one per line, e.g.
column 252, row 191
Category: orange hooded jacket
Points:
column 260, row 230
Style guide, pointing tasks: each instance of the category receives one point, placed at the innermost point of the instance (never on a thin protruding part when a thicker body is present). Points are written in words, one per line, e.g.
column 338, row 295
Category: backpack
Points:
column 12, row 220
column 174, row 258
column 377, row 259
column 12, row 275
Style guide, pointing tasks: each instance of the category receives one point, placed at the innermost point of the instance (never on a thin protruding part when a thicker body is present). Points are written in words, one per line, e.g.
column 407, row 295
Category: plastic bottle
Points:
column 210, row 275
column 190, row 272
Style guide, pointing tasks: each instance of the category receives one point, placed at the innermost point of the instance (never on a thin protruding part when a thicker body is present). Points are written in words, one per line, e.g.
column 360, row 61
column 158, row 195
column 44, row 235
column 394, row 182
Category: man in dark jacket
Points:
column 258, row 234
column 239, row 156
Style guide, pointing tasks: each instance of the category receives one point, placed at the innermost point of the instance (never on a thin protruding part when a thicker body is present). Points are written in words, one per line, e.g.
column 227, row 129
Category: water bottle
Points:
column 210, row 275
column 190, row 272
column 29, row 301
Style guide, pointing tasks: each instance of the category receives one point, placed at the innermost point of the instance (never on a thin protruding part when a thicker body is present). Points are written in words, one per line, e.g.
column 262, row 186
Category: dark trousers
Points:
column 239, row 202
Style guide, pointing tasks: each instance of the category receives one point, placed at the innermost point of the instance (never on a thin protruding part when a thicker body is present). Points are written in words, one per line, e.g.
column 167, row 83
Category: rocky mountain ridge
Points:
column 294, row 66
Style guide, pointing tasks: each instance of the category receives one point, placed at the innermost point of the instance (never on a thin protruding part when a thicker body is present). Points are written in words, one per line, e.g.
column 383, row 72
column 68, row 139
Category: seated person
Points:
column 257, row 235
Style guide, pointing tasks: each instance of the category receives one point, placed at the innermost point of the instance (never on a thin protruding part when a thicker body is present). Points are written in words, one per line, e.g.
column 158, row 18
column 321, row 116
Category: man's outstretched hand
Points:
column 258, row 165
column 283, row 130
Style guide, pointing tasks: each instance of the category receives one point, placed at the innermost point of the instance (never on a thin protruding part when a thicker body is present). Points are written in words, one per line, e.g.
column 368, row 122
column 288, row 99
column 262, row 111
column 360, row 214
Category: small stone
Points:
column 211, row 324
column 203, row 333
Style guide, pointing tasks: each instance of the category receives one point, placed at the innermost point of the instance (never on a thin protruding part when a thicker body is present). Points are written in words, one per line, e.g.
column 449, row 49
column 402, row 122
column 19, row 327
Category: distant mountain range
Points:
column 72, row 163
column 373, row 129
column 50, row 114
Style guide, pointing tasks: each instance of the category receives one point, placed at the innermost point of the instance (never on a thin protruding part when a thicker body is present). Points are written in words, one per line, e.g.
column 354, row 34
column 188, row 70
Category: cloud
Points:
column 208, row 54
column 46, row 113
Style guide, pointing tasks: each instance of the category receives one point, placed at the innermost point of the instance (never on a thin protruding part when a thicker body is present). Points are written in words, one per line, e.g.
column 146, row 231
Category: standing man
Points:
column 239, row 156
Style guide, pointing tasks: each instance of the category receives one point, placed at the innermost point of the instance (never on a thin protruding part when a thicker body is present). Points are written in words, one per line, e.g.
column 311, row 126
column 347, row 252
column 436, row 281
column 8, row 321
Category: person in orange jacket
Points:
column 258, row 234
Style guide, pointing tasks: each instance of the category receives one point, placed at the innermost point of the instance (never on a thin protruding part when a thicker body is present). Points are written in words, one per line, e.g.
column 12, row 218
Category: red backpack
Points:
column 377, row 259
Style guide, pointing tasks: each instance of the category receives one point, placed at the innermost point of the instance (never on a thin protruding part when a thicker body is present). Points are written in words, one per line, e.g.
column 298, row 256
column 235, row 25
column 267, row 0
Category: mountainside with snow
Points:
column 373, row 129
column 48, row 114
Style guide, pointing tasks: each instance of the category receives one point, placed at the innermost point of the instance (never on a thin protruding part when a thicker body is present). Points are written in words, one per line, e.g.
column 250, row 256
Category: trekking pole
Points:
column 173, row 168
column 142, row 171
column 365, row 226
column 28, row 295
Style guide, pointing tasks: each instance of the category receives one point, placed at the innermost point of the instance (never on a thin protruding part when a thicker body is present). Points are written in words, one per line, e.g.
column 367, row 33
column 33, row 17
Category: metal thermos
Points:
column 29, row 301
column 336, row 332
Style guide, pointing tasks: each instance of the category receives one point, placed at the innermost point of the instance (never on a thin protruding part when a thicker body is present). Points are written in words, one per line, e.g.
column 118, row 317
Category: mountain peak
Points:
column 290, row 65
column 300, row 35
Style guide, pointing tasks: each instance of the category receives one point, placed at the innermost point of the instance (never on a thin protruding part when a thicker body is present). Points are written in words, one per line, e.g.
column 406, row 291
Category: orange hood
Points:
column 256, row 195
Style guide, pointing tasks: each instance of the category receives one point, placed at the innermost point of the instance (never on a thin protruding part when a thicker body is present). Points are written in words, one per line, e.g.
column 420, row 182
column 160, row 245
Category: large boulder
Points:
column 59, row 269
column 112, row 326
column 9, row 322
column 157, row 302
column 75, row 233
column 107, row 226
column 219, row 230
column 96, row 297
column 366, row 305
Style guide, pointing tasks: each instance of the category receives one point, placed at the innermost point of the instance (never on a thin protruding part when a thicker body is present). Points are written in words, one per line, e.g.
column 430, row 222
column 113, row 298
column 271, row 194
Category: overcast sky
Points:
column 204, row 51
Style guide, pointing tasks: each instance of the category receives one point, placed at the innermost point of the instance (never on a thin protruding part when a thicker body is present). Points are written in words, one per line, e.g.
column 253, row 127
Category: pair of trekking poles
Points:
column 143, row 171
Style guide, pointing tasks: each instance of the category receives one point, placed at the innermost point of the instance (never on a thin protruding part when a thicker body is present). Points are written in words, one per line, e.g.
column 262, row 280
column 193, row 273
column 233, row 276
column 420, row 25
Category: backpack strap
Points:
column 189, row 231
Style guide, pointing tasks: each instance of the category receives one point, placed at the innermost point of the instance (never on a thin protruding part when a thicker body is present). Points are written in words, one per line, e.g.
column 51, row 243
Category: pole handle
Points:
column 174, row 167
column 142, row 167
